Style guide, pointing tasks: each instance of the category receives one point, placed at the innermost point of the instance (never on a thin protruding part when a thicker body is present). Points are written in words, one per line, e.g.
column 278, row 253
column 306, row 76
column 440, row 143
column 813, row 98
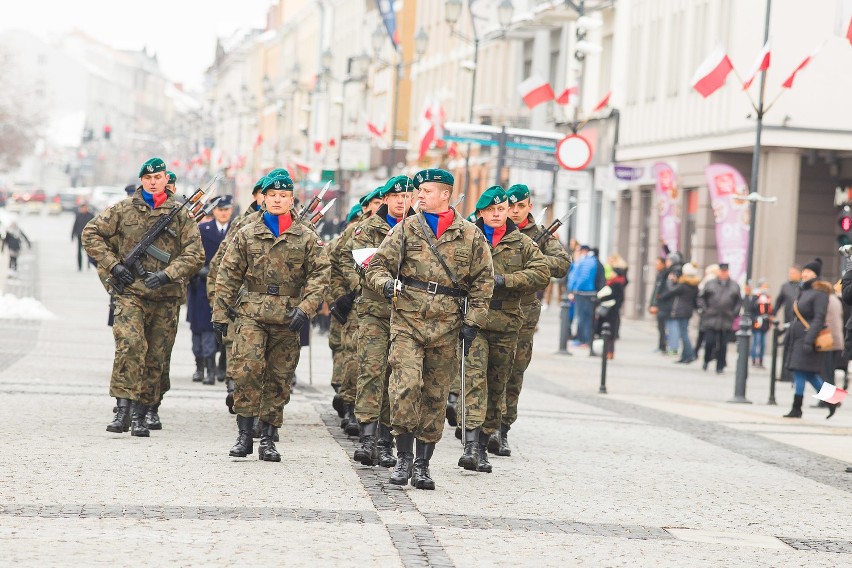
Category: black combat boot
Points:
column 266, row 449
column 210, row 376
column 420, row 478
column 255, row 428
column 138, row 427
column 494, row 443
column 796, row 411
column 337, row 404
column 198, row 375
column 404, row 459
column 229, row 398
column 484, row 465
column 385, row 446
column 504, row 449
column 222, row 367
column 351, row 428
column 470, row 458
column 243, row 447
column 121, row 421
column 367, row 453
column 152, row 419
column 452, row 406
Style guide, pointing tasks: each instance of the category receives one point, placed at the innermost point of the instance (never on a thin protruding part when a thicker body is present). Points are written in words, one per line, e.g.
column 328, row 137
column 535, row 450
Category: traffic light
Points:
column 844, row 222
column 107, row 131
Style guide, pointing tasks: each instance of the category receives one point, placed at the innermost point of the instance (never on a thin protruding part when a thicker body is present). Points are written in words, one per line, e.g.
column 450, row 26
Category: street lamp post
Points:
column 356, row 73
column 452, row 14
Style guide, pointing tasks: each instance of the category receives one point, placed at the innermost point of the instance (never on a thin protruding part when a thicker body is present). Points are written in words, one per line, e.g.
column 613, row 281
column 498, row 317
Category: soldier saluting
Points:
column 440, row 266
column 147, row 310
column 283, row 268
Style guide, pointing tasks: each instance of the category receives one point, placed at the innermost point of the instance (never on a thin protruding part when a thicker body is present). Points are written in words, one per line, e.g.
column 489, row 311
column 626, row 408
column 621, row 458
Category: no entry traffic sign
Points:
column 574, row 152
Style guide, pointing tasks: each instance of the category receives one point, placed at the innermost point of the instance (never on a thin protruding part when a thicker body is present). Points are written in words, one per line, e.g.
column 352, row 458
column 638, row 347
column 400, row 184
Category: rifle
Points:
column 133, row 259
column 554, row 226
column 316, row 218
column 463, row 409
column 309, row 208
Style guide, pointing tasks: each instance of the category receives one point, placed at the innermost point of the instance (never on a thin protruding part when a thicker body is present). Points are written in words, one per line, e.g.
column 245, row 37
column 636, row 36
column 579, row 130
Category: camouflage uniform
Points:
column 145, row 320
column 425, row 347
column 262, row 277
column 344, row 279
column 558, row 262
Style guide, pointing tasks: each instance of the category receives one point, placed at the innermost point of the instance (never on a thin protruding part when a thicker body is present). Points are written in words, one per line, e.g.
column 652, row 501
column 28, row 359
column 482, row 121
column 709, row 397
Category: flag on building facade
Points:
column 760, row 64
column 566, row 95
column 535, row 91
column 431, row 126
column 603, row 102
column 788, row 84
column 388, row 15
column 711, row 74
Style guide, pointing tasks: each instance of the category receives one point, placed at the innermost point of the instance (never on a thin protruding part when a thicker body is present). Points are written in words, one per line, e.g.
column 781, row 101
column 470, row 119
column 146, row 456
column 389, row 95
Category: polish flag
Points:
column 431, row 126
column 332, row 142
column 535, row 91
column 711, row 74
column 566, row 95
column 258, row 141
column 363, row 256
column 301, row 167
column 317, row 146
column 374, row 130
column 788, row 84
column 453, row 150
column 760, row 64
column 603, row 104
column 831, row 394
column 849, row 32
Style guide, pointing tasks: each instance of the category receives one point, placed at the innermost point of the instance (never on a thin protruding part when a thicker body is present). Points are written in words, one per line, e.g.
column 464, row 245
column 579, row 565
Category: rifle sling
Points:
column 430, row 240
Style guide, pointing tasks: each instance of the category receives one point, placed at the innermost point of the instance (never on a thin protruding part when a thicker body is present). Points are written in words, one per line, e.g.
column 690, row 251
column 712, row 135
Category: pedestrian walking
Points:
column 653, row 305
column 610, row 300
column 720, row 302
column 80, row 221
column 443, row 266
column 683, row 294
column 585, row 278
column 147, row 310
column 710, row 273
column 12, row 240
column 784, row 305
column 760, row 306
column 272, row 278
column 805, row 360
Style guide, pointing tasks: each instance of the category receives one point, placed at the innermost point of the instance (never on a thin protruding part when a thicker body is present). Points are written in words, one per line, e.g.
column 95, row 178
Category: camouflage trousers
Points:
column 371, row 400
column 263, row 360
column 422, row 367
column 348, row 359
column 523, row 356
column 487, row 369
column 144, row 333
column 334, row 343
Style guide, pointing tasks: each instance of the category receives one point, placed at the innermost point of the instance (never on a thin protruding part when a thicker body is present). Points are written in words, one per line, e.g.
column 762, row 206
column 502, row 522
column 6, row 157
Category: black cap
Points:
column 723, row 266
column 815, row 265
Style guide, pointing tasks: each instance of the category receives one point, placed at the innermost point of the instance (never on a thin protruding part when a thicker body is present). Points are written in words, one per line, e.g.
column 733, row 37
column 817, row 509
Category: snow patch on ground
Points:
column 12, row 307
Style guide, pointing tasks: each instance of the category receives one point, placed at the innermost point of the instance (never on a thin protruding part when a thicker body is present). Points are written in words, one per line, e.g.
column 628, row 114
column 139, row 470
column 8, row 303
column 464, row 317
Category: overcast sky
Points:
column 182, row 32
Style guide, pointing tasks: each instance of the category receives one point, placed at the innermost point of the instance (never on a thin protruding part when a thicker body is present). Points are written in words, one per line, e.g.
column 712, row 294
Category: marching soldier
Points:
column 440, row 267
column 519, row 269
column 146, row 313
column 343, row 289
column 558, row 262
column 261, row 278
column 372, row 408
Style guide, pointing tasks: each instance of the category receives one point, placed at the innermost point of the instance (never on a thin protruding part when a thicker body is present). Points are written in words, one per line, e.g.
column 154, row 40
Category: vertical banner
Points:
column 389, row 18
column 668, row 205
column 728, row 191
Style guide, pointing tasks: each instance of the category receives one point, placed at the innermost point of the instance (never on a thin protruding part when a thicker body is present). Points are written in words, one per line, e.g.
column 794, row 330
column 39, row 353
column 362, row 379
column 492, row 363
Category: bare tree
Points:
column 20, row 121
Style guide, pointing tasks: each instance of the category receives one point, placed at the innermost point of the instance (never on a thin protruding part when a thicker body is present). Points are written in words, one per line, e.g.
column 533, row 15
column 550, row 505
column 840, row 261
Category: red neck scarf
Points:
column 524, row 223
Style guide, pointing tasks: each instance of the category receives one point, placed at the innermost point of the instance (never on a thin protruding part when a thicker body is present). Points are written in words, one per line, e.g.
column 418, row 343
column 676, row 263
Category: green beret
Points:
column 258, row 185
column 354, row 213
column 397, row 184
column 277, row 181
column 172, row 177
column 151, row 166
column 375, row 194
column 433, row 174
column 518, row 192
column 494, row 195
column 277, row 171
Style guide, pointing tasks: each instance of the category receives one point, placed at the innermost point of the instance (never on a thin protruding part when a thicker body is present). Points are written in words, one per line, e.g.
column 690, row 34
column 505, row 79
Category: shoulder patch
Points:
column 357, row 231
column 320, row 243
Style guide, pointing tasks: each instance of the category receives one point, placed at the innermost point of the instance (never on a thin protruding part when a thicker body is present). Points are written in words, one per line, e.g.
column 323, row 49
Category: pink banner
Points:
column 728, row 190
column 669, row 206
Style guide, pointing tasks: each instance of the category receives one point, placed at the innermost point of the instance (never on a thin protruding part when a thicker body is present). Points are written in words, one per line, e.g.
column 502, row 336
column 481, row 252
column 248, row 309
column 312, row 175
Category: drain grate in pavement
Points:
column 203, row 513
column 837, row 546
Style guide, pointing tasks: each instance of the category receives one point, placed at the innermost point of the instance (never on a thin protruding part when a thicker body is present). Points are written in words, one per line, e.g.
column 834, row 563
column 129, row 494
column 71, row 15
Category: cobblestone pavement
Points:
column 659, row 472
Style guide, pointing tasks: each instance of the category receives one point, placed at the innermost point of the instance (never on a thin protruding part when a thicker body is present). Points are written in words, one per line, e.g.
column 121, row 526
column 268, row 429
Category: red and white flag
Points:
column 258, row 141
column 431, row 126
column 374, row 130
column 788, row 84
column 711, row 74
column 849, row 32
column 566, row 95
column 760, row 64
column 603, row 103
column 830, row 393
column 535, row 91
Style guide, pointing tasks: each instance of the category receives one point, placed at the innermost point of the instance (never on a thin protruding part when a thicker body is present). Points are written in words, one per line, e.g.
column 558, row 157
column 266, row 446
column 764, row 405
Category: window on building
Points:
column 675, row 54
column 655, row 55
column 634, row 65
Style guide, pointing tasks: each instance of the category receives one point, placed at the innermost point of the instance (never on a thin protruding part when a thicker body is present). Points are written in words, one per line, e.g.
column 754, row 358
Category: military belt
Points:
column 434, row 287
column 274, row 290
column 509, row 304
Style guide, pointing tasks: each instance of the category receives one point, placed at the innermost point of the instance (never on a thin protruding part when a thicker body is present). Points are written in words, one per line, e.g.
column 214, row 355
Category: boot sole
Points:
column 388, row 463
column 504, row 453
column 468, row 464
column 423, row 485
column 493, row 447
column 155, row 426
column 363, row 458
column 483, row 470
column 141, row 434
column 239, row 454
column 119, row 430
column 268, row 459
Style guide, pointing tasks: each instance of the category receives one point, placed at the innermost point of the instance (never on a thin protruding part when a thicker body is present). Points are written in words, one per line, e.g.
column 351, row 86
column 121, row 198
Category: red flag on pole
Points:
column 788, row 84
column 258, row 141
column 760, row 64
column 603, row 103
column 711, row 74
column 566, row 95
column 427, row 131
column 849, row 32
column 374, row 130
column 535, row 91
column 317, row 146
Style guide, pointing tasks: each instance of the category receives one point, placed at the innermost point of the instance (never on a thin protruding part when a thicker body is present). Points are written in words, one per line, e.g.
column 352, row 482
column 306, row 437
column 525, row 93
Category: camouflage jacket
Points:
column 557, row 258
column 113, row 233
column 344, row 278
column 294, row 263
column 465, row 251
column 233, row 229
column 524, row 269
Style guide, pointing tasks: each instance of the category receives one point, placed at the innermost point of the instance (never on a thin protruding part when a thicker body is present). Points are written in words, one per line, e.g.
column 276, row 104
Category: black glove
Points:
column 205, row 270
column 468, row 334
column 499, row 281
column 222, row 328
column 298, row 319
column 229, row 398
column 343, row 305
column 387, row 289
column 156, row 279
column 122, row 274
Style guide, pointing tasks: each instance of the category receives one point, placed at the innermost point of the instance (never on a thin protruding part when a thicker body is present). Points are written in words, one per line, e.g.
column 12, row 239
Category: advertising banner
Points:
column 728, row 191
column 668, row 205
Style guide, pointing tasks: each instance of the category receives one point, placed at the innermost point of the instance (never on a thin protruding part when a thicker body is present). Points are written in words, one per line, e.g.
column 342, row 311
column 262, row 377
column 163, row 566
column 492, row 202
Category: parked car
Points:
column 54, row 206
column 70, row 199
column 103, row 196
